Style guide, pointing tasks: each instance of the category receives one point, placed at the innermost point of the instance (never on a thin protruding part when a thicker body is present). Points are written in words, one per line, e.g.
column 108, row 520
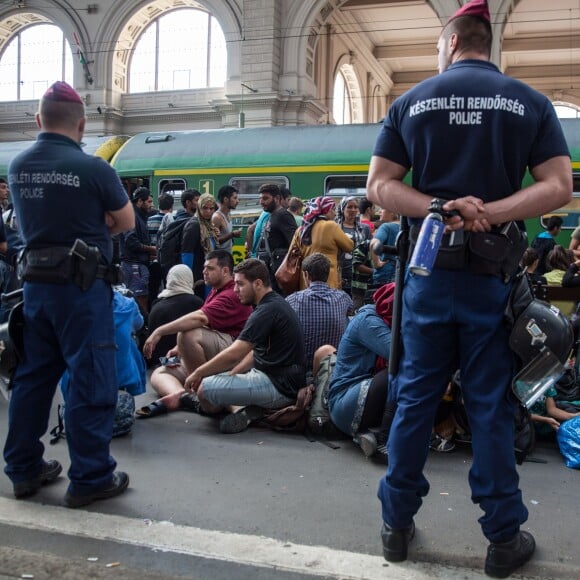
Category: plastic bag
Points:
column 569, row 442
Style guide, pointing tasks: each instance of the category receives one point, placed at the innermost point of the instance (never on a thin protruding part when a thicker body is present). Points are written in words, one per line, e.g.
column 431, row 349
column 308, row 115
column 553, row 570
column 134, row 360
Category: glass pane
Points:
column 41, row 62
column 340, row 185
column 142, row 76
column 9, row 72
column 174, row 187
column 249, row 207
column 68, row 64
column 341, row 101
column 183, row 50
column 218, row 55
column 183, row 53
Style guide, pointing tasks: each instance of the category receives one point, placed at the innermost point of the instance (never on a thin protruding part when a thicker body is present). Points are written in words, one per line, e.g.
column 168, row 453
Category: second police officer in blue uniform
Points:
column 68, row 204
column 469, row 134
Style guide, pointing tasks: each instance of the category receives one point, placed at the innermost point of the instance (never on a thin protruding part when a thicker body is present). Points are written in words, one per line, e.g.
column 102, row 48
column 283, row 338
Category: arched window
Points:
column 566, row 111
column 184, row 49
column 347, row 97
column 341, row 109
column 35, row 57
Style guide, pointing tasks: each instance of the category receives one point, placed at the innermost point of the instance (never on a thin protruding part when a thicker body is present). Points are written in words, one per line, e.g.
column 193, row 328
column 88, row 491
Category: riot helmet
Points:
column 542, row 338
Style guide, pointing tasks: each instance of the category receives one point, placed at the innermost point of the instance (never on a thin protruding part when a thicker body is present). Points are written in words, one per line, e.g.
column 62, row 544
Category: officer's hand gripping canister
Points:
column 429, row 240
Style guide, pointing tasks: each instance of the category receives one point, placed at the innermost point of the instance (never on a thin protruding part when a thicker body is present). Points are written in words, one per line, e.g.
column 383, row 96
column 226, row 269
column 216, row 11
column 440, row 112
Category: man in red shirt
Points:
column 200, row 335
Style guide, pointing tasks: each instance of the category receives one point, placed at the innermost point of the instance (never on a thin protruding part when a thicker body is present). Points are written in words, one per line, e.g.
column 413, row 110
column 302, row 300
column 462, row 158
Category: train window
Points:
column 174, row 187
column 249, row 207
column 251, row 185
column 340, row 185
column 570, row 213
column 132, row 183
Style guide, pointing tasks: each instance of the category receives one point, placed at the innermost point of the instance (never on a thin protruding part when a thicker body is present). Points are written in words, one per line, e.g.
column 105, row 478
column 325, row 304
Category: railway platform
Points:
column 261, row 504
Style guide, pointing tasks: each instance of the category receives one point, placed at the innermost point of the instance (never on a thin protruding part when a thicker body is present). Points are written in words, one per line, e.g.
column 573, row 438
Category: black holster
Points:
column 80, row 265
column 497, row 252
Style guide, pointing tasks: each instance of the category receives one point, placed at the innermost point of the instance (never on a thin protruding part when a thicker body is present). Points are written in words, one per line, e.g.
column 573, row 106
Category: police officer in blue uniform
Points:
column 68, row 204
column 469, row 134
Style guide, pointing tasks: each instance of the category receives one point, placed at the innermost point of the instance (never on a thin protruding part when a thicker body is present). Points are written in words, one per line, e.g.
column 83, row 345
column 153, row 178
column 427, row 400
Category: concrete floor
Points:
column 283, row 487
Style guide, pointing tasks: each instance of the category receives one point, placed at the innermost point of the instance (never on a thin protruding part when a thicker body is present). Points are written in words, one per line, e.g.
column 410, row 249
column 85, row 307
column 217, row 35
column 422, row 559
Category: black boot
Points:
column 505, row 558
column 396, row 542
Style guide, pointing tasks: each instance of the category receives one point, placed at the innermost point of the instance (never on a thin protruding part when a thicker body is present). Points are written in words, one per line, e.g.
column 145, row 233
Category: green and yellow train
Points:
column 309, row 160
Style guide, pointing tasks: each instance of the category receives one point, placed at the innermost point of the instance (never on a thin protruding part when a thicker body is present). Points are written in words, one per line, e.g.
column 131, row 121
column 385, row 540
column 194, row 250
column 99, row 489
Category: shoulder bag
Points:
column 289, row 272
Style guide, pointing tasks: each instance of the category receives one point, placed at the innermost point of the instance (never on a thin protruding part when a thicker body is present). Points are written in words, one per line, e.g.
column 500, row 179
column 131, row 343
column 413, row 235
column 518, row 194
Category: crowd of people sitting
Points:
column 224, row 342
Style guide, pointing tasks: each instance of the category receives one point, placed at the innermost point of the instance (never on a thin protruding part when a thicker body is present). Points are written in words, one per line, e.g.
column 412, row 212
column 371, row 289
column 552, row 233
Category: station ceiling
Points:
column 540, row 39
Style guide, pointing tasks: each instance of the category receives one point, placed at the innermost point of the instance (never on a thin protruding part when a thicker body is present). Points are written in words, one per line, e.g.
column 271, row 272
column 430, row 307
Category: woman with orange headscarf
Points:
column 320, row 233
column 358, row 393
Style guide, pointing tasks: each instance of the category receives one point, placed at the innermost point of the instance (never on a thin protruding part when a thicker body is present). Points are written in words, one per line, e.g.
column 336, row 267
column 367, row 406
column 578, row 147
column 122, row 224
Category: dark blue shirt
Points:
column 61, row 194
column 470, row 131
column 387, row 235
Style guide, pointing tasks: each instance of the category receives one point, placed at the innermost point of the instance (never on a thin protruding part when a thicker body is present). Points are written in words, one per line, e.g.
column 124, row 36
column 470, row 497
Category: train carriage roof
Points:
column 251, row 147
column 273, row 147
column 307, row 145
column 90, row 145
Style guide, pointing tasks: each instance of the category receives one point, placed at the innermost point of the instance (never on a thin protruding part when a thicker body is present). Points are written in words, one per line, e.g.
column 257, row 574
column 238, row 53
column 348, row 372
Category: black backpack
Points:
column 170, row 245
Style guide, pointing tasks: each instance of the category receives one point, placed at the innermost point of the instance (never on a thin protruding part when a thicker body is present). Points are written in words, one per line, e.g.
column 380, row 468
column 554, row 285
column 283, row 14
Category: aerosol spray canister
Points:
column 429, row 240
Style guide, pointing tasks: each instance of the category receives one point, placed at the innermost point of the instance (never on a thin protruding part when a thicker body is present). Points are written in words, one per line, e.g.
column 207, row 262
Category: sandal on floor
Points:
column 154, row 409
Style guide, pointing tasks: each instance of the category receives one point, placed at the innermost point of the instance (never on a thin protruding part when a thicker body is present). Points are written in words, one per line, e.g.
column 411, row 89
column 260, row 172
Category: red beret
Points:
column 62, row 92
column 477, row 8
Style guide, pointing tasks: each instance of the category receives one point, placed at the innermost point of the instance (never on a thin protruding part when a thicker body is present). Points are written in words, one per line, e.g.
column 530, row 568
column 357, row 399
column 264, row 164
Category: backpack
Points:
column 310, row 413
column 292, row 417
column 124, row 418
column 170, row 245
column 318, row 418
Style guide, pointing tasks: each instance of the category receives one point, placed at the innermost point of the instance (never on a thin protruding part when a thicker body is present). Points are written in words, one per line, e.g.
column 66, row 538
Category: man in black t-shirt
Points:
column 278, row 231
column 265, row 367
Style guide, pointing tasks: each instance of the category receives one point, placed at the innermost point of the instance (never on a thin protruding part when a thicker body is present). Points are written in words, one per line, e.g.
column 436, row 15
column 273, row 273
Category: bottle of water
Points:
column 429, row 240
